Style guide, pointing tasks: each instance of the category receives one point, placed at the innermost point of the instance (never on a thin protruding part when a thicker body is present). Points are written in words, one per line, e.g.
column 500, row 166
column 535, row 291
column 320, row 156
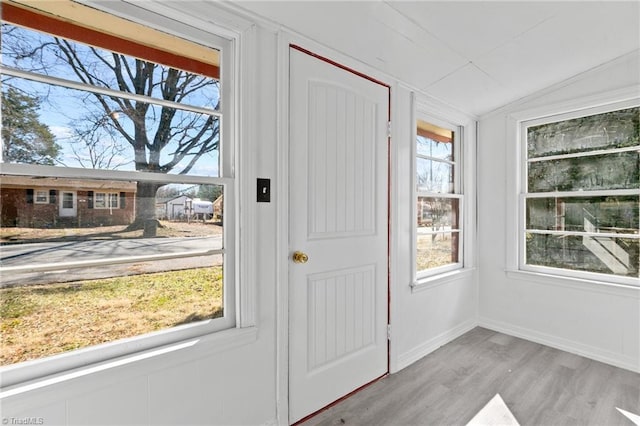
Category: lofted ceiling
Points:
column 473, row 55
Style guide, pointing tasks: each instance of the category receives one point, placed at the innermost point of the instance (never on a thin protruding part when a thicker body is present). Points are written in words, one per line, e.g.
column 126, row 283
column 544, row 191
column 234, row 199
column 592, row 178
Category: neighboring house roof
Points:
column 66, row 183
column 177, row 200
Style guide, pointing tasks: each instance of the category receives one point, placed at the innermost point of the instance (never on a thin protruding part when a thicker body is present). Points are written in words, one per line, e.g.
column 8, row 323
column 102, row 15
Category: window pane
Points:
column 436, row 149
column 434, row 176
column 113, row 200
column 65, row 308
column 437, row 236
column 99, row 200
column 106, row 258
column 30, row 50
column 41, row 196
column 435, row 250
column 434, row 141
column 585, row 214
column 43, row 320
column 598, row 172
column 79, row 129
column 437, row 214
column 437, row 221
column 615, row 129
column 618, row 256
column 67, row 203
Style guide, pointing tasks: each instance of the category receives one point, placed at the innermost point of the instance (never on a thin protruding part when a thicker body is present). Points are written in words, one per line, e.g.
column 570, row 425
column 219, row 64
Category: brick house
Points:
column 51, row 202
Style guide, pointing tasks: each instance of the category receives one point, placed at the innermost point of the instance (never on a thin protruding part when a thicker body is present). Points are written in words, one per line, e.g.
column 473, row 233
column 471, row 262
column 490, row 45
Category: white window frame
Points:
column 517, row 187
column 464, row 128
column 111, row 197
column 46, row 196
column 237, row 46
column 99, row 200
column 107, row 196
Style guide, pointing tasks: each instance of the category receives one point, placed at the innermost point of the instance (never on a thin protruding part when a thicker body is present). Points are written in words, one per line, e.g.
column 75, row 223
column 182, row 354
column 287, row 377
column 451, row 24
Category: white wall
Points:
column 425, row 318
column 596, row 320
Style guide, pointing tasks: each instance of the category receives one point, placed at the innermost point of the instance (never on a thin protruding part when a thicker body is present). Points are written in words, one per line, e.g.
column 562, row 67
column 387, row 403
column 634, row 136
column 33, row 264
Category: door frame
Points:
column 285, row 40
column 61, row 201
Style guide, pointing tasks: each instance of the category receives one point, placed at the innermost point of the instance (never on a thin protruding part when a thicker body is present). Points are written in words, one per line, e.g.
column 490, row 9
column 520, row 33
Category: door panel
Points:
column 341, row 163
column 340, row 301
column 338, row 217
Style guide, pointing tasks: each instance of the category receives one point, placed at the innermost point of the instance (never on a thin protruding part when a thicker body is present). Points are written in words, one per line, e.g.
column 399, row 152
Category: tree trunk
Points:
column 146, row 208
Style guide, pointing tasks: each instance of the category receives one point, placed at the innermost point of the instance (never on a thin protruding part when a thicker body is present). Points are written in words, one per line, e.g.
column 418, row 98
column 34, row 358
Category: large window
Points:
column 580, row 194
column 438, row 189
column 112, row 146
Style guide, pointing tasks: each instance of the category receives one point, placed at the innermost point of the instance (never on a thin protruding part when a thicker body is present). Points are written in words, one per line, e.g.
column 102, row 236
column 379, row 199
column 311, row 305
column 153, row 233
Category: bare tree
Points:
column 157, row 136
column 96, row 145
column 183, row 137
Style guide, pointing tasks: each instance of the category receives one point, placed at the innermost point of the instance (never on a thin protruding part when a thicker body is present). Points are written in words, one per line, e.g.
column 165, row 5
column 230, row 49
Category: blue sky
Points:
column 66, row 111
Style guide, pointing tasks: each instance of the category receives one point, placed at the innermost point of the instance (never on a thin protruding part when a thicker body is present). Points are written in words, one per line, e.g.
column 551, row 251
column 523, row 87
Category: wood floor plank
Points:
column 539, row 384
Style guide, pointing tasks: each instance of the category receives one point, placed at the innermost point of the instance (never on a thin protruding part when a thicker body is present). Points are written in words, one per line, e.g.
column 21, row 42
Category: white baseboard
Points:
column 587, row 351
column 413, row 355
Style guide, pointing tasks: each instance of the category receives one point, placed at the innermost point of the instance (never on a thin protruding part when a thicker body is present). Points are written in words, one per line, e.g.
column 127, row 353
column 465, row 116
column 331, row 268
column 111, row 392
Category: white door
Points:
column 338, row 218
column 68, row 204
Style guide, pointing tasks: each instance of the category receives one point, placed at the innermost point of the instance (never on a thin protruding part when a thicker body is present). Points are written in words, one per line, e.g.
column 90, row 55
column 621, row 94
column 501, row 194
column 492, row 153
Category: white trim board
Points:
column 587, row 351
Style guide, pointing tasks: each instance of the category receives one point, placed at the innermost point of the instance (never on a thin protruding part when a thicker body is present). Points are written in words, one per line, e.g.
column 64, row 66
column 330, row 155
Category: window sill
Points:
column 440, row 279
column 20, row 383
column 583, row 284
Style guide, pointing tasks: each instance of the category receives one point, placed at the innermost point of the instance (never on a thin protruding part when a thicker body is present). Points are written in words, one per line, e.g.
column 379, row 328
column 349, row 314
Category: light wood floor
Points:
column 540, row 385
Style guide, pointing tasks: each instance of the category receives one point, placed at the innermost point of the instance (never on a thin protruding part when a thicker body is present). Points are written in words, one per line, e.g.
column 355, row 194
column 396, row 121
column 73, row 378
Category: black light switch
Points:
column 264, row 190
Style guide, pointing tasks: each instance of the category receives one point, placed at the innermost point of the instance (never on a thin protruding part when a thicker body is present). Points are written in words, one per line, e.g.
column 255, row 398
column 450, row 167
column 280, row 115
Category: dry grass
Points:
column 42, row 320
column 433, row 253
column 166, row 229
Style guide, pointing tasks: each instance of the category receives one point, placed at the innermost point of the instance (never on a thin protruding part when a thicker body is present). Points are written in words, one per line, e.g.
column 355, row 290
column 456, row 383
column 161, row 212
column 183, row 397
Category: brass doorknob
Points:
column 300, row 257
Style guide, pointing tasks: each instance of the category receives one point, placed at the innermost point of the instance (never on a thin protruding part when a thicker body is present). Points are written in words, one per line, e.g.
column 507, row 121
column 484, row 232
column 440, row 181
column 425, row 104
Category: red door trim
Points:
column 336, row 64
column 339, row 400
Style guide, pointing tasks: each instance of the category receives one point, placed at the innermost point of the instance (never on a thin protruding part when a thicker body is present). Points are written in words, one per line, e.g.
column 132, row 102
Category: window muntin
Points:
column 581, row 194
column 438, row 192
column 199, row 170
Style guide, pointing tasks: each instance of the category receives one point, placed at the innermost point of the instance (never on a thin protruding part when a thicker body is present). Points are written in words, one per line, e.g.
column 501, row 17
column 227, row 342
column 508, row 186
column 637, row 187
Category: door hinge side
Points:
column 388, row 331
column 388, row 129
